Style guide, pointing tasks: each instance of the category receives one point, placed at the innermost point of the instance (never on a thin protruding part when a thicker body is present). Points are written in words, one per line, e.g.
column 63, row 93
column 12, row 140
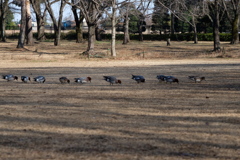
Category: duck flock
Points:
column 111, row 79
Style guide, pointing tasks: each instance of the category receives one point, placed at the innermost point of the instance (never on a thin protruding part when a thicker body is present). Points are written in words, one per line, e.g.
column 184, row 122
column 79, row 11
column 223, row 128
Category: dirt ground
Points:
column 130, row 121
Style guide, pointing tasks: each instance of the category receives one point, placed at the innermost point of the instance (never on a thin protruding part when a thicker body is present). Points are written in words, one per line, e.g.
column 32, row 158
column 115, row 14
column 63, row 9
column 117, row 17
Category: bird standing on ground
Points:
column 83, row 80
column 39, row 79
column 171, row 79
column 25, row 79
column 9, row 77
column 138, row 78
column 112, row 79
column 64, row 80
column 161, row 77
column 196, row 78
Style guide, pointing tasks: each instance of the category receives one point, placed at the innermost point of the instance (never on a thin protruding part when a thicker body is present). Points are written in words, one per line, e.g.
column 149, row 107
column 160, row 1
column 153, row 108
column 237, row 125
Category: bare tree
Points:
column 57, row 23
column 143, row 7
column 187, row 11
column 114, row 19
column 40, row 18
column 194, row 9
column 23, row 25
column 3, row 13
column 92, row 11
column 233, row 17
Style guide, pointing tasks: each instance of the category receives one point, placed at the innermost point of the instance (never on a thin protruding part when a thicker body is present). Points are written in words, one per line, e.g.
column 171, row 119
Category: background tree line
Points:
column 129, row 16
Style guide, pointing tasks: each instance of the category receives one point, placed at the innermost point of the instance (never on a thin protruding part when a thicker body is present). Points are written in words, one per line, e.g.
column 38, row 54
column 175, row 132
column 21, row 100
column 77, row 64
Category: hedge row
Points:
column 153, row 37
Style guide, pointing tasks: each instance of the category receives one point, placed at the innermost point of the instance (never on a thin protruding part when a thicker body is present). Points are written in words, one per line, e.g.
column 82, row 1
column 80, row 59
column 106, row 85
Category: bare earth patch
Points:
column 129, row 121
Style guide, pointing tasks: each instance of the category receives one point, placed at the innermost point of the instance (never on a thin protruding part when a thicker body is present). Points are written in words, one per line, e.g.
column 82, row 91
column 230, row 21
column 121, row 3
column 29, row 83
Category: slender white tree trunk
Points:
column 113, row 42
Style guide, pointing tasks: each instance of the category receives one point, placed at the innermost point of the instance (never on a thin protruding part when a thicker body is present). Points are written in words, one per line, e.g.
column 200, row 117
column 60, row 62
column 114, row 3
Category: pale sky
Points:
column 67, row 13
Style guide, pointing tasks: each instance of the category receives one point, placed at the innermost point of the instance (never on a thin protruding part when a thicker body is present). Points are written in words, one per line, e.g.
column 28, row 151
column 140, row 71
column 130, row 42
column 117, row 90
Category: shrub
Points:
column 71, row 35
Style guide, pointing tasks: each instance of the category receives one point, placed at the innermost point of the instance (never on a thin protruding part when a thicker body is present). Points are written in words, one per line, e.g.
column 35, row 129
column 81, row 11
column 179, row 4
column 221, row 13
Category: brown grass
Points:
column 129, row 121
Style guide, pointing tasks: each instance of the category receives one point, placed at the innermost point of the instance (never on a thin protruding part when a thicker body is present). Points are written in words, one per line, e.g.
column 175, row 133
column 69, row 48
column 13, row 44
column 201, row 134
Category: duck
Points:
column 138, row 78
column 161, row 77
column 64, row 80
column 9, row 77
column 83, row 80
column 39, row 79
column 25, row 79
column 171, row 79
column 112, row 79
column 196, row 78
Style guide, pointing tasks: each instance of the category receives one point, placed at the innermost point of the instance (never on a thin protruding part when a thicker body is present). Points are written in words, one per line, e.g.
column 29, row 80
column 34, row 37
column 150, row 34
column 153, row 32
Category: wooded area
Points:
column 163, row 17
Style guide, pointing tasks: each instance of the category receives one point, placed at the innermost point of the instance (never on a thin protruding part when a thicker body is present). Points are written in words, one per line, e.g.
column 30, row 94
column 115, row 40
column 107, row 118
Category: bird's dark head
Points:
column 89, row 79
column 15, row 77
column 68, row 81
column 176, row 80
column 29, row 78
column 119, row 81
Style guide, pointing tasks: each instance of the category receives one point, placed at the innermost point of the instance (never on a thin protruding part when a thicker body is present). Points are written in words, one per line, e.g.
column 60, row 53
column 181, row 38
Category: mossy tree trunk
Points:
column 235, row 25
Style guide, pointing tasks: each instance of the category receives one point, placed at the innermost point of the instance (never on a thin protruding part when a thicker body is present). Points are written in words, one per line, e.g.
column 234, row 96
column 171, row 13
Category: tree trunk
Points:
column 3, row 8
column 2, row 25
column 216, row 36
column 40, row 29
column 56, row 24
column 126, row 39
column 98, row 34
column 79, row 24
column 91, row 38
column 29, row 34
column 140, row 30
column 57, row 33
column 172, row 23
column 235, row 24
column 92, row 11
column 40, row 17
column 168, row 42
column 59, row 25
column 113, row 42
column 194, row 30
column 195, row 36
column 79, row 33
column 23, row 25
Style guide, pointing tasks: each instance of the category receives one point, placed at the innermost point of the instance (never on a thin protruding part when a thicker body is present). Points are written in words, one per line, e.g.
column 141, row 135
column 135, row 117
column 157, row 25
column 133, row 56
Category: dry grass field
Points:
column 148, row 121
